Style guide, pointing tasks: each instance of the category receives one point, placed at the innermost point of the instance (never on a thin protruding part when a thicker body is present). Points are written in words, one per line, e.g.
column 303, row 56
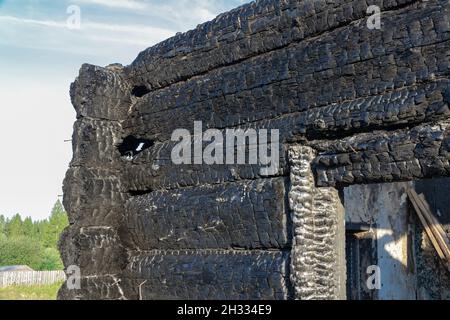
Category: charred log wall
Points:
column 370, row 105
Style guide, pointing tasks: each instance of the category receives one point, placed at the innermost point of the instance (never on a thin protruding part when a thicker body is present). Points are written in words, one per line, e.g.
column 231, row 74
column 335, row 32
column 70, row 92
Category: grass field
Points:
column 47, row 292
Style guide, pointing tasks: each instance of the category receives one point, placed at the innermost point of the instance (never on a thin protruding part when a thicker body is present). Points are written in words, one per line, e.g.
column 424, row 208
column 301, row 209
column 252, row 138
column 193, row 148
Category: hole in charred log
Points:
column 132, row 146
column 140, row 91
column 137, row 193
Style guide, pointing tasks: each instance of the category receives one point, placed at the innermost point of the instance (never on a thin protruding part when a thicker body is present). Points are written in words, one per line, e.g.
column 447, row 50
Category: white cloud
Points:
column 46, row 23
column 95, row 39
column 123, row 4
column 135, row 29
column 185, row 14
column 93, row 26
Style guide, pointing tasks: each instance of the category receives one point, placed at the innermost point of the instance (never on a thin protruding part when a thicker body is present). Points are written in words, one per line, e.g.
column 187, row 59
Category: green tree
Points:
column 2, row 226
column 56, row 223
column 20, row 251
column 14, row 227
column 50, row 260
column 28, row 228
column 33, row 243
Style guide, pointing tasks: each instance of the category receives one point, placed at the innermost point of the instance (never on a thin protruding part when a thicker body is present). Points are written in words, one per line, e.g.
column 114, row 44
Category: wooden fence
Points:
column 29, row 278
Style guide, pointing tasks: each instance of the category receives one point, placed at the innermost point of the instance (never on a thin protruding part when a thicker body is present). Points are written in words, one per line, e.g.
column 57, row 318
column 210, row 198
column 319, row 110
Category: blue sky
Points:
column 39, row 58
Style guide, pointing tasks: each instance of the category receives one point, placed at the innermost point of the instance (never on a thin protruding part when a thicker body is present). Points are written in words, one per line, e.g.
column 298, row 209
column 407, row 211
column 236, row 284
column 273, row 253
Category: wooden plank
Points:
column 425, row 225
column 433, row 224
column 433, row 220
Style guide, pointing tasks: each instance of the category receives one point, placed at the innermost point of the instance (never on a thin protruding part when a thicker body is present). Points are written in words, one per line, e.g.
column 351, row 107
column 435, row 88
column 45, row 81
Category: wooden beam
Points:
column 426, row 225
column 434, row 225
column 433, row 221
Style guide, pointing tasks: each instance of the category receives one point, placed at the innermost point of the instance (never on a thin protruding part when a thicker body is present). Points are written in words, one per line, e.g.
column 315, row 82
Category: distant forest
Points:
column 32, row 243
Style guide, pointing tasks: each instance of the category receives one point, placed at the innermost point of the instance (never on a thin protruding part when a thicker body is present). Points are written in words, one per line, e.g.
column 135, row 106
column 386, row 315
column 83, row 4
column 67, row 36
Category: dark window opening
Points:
column 360, row 249
column 132, row 146
column 140, row 91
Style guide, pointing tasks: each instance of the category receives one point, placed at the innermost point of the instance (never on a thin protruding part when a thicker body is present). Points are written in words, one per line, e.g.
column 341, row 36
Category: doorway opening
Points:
column 389, row 255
